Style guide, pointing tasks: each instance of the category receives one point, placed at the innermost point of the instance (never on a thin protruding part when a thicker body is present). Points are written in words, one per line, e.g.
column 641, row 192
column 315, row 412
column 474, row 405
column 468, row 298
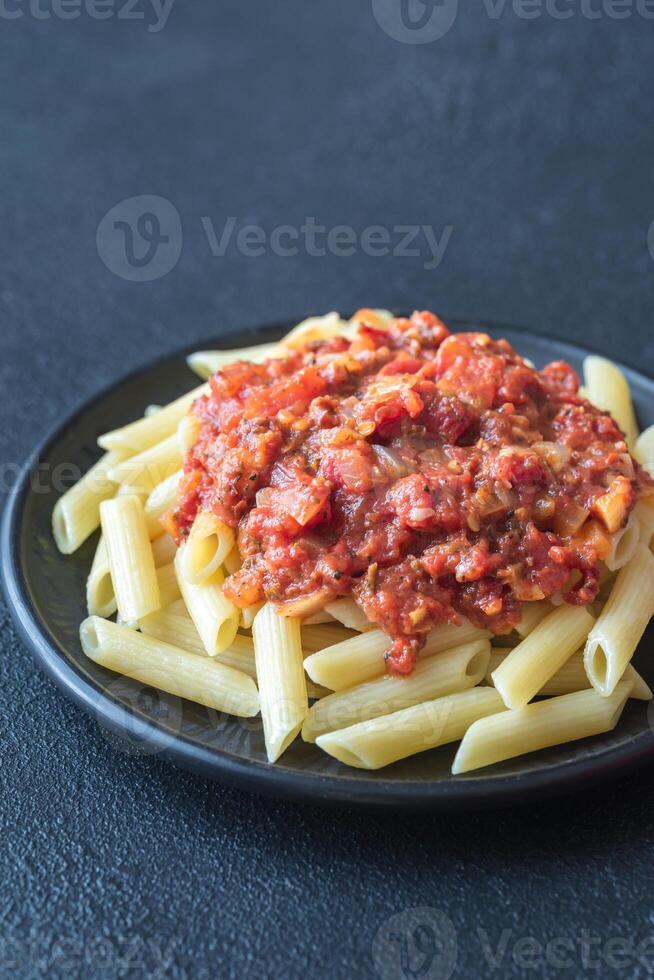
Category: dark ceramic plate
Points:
column 46, row 593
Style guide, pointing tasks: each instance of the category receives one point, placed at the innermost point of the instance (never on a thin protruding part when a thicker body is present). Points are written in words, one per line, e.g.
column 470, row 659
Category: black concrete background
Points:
column 533, row 139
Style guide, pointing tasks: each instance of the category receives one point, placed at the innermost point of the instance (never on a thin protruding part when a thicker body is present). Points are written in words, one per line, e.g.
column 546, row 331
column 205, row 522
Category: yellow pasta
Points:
column 613, row 640
column 572, row 677
column 131, row 562
column 206, row 548
column 146, row 432
column 76, row 514
column 168, row 585
column 539, row 726
column 148, row 469
column 280, row 675
column 361, row 658
column 207, row 362
column 534, row 661
column 215, row 617
column 644, row 450
column 608, row 390
column 164, row 550
column 382, row 741
column 100, row 595
column 452, row 670
column 168, row 668
column 349, row 614
column 644, row 514
column 160, row 500
column 319, row 637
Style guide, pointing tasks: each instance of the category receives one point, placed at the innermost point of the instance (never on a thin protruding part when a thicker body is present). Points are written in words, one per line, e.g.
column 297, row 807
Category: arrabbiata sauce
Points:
column 429, row 475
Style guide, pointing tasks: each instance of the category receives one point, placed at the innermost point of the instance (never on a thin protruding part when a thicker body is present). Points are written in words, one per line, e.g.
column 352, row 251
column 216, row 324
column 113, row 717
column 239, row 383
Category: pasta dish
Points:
column 382, row 536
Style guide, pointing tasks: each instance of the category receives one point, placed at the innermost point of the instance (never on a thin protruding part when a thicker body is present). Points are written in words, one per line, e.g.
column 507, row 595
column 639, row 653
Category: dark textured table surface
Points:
column 530, row 138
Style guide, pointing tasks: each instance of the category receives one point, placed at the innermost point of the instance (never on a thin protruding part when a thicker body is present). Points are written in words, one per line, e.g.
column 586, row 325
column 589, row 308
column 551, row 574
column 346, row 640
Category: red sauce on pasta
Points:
column 429, row 475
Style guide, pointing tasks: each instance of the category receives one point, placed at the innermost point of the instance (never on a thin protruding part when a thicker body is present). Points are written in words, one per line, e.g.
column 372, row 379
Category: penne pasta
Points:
column 318, row 618
column 131, row 562
column 215, row 617
column 608, row 390
column 613, row 640
column 76, row 514
column 451, row 671
column 168, row 585
column 644, row 450
column 148, row 469
column 382, row 741
column 207, row 362
column 187, row 432
column 539, row 726
column 361, row 658
column 623, row 545
column 168, row 668
column 232, row 561
column 349, row 614
column 176, row 627
column 313, row 328
column 100, row 595
column 247, row 615
column 207, row 546
column 147, row 432
column 531, row 614
column 319, row 637
column 281, row 679
column 159, row 501
column 533, row 662
column 164, row 550
column 572, row 677
column 644, row 514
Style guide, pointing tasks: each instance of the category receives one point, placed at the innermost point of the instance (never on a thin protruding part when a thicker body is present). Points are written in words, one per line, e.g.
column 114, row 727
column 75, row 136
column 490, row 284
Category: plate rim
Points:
column 471, row 792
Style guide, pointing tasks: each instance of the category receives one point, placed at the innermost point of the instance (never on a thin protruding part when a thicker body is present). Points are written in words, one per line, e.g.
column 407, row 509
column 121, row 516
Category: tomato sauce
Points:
column 429, row 475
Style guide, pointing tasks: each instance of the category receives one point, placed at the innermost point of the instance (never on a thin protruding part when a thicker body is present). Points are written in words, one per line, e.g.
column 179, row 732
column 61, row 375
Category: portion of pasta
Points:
column 382, row 536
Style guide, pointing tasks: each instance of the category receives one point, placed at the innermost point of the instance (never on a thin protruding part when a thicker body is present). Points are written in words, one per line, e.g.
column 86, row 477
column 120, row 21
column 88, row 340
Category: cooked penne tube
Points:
column 318, row 618
column 100, row 595
column 644, row 450
column 361, row 658
column 176, row 627
column 206, row 548
column 539, row 726
column 76, row 514
column 215, row 617
column 168, row 668
column 347, row 612
column 613, row 640
column 530, row 665
column 531, row 614
column 188, row 431
column 232, row 561
column 644, row 514
column 623, row 545
column 608, row 390
column 168, row 585
column 280, row 675
column 246, row 617
column 381, row 741
column 160, row 500
column 572, row 677
column 131, row 562
column 147, row 432
column 148, row 469
column 207, row 362
column 164, row 550
column 313, row 328
column 451, row 671
column 316, row 638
